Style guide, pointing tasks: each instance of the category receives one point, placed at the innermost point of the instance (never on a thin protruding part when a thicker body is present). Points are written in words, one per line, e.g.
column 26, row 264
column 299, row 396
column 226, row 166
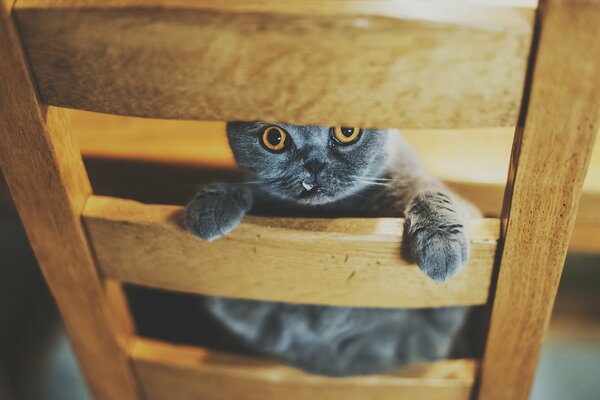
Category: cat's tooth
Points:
column 307, row 186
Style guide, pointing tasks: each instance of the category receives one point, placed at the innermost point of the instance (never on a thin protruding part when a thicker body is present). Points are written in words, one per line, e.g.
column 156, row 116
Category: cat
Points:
column 332, row 171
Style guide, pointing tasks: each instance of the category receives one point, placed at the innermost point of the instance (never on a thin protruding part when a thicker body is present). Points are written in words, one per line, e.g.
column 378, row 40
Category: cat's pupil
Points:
column 347, row 131
column 274, row 137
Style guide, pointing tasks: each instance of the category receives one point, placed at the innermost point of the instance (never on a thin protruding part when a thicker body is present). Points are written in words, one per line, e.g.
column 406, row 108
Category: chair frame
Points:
column 551, row 151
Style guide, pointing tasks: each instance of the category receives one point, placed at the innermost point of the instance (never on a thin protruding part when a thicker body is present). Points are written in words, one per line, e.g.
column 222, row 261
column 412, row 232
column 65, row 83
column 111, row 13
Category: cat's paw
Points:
column 216, row 210
column 436, row 235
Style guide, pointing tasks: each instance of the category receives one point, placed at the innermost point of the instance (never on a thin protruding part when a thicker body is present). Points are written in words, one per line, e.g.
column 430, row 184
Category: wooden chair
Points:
column 388, row 63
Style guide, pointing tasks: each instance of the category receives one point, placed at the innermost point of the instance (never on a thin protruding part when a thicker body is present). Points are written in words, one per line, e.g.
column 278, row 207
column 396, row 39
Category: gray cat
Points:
column 321, row 171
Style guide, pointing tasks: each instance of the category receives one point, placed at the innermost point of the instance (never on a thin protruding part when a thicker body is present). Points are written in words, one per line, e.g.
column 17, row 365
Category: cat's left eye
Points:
column 274, row 139
column 345, row 135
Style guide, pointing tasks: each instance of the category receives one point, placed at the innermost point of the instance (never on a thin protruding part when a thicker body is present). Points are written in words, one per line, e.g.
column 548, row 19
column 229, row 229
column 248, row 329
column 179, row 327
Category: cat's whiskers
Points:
column 374, row 183
column 253, row 182
column 372, row 179
column 376, row 178
column 392, row 183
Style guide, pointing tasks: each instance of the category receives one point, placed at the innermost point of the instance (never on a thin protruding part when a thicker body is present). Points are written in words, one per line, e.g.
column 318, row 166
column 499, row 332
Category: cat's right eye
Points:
column 274, row 139
column 345, row 135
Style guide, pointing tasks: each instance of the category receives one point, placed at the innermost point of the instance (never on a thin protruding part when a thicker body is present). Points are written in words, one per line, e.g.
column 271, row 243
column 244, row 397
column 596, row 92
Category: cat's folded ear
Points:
column 242, row 127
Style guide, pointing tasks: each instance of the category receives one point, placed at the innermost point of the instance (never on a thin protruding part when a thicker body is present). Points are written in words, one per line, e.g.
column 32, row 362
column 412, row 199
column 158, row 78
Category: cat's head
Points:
column 308, row 164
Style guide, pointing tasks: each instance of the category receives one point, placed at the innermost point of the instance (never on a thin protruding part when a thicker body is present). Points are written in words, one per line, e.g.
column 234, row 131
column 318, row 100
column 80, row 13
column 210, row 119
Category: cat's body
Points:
column 328, row 172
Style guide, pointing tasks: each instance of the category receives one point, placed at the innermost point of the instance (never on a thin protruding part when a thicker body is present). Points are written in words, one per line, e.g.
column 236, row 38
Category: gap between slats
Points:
column 472, row 162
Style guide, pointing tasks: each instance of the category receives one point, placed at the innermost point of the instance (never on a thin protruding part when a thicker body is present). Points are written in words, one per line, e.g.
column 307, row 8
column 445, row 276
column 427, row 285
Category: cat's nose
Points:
column 314, row 166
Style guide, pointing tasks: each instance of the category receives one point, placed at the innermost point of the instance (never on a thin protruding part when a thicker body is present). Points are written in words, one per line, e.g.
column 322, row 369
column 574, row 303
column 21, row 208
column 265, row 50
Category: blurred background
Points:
column 129, row 157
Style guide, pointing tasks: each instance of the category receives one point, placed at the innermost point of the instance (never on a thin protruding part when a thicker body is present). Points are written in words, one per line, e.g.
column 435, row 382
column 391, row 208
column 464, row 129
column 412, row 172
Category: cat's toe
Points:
column 209, row 228
column 441, row 255
column 216, row 211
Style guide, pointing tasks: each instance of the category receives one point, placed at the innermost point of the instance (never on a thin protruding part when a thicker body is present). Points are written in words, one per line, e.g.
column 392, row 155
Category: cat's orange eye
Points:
column 346, row 135
column 274, row 138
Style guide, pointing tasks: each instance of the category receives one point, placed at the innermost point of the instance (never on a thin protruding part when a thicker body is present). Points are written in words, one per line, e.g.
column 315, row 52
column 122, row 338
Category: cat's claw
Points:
column 216, row 210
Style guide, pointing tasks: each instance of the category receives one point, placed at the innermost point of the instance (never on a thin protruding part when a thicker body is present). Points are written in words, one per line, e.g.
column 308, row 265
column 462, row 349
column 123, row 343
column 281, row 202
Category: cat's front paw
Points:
column 217, row 209
column 437, row 236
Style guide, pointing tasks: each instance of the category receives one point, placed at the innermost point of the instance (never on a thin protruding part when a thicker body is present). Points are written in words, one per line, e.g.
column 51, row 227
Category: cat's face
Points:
column 308, row 164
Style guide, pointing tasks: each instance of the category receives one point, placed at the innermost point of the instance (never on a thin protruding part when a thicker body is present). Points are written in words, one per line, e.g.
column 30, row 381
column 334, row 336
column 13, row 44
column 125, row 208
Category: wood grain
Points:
column 549, row 162
column 178, row 372
column 48, row 183
column 473, row 162
column 195, row 144
column 352, row 262
column 493, row 14
column 383, row 64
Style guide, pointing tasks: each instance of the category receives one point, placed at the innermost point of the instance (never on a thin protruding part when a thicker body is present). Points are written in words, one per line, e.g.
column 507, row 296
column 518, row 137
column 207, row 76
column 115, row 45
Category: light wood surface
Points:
column 176, row 372
column 509, row 13
column 352, row 262
column 549, row 161
column 473, row 162
column 368, row 63
column 196, row 144
column 47, row 180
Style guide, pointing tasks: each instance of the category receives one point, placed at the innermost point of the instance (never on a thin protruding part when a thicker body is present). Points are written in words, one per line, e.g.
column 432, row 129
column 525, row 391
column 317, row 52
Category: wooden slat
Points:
column 195, row 144
column 550, row 157
column 352, row 262
column 473, row 162
column 390, row 63
column 169, row 372
column 47, row 180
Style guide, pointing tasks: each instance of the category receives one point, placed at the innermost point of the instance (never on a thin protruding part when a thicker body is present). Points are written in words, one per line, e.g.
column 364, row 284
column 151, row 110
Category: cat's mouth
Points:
column 310, row 190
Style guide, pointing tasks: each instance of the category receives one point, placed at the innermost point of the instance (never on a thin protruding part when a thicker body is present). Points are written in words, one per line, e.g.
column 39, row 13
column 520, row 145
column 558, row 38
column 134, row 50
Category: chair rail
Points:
column 343, row 262
column 314, row 62
column 169, row 371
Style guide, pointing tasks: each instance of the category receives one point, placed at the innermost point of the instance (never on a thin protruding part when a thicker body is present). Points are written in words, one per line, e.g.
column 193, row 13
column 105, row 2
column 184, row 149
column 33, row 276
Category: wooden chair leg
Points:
column 549, row 163
column 49, row 186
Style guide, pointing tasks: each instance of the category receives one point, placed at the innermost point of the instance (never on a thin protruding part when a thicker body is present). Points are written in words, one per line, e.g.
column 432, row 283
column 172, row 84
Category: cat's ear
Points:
column 237, row 126
column 246, row 127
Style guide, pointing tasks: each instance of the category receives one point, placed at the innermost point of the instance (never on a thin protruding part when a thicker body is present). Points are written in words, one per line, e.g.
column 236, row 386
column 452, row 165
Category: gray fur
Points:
column 217, row 209
column 378, row 175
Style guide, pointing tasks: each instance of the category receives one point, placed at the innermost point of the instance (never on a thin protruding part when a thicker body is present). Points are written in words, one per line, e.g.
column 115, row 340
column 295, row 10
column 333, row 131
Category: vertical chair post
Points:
column 49, row 185
column 550, row 157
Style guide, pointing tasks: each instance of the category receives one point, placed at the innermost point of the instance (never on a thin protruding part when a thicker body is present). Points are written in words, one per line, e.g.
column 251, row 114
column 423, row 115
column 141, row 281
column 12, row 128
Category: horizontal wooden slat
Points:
column 352, row 262
column 388, row 63
column 169, row 372
column 473, row 162
column 197, row 144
